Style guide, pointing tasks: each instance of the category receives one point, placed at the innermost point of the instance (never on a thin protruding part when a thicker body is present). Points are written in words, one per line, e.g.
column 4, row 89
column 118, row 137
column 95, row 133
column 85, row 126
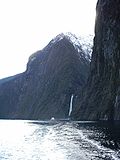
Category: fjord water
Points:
column 59, row 140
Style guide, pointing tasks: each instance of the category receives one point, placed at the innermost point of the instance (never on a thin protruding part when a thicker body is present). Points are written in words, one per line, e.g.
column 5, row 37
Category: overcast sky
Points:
column 28, row 25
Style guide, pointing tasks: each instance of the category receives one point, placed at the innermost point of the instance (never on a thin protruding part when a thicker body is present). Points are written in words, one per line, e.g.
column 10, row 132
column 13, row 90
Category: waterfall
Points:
column 71, row 105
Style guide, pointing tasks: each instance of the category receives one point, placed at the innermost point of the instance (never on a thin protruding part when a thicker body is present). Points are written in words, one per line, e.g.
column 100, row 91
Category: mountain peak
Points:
column 72, row 38
column 69, row 36
column 80, row 43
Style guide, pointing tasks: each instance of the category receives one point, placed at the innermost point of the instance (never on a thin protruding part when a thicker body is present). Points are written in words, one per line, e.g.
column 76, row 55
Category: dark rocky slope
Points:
column 101, row 98
column 45, row 88
column 10, row 90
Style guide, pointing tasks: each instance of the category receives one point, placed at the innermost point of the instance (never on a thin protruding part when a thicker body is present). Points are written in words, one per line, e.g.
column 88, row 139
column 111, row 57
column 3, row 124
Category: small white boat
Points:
column 52, row 119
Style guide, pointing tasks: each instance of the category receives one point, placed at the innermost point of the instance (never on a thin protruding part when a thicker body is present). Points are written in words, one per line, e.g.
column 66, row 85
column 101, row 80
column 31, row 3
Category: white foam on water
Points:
column 106, row 151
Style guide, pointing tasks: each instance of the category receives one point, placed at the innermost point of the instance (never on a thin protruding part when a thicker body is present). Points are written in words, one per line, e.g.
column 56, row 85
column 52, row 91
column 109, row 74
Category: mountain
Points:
column 100, row 100
column 44, row 90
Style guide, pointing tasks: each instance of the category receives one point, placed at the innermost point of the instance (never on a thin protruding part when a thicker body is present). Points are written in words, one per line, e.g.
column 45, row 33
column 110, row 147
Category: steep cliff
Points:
column 100, row 99
column 52, row 76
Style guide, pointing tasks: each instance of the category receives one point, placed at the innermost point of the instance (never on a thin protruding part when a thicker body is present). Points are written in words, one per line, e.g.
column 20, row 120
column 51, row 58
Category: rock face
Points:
column 101, row 98
column 44, row 90
column 10, row 90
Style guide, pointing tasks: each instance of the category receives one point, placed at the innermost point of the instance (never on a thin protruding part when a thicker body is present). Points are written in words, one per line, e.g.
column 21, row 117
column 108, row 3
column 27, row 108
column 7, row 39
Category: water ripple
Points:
column 43, row 140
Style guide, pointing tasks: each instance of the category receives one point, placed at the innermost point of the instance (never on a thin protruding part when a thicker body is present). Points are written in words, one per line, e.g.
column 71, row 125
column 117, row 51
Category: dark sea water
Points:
column 51, row 140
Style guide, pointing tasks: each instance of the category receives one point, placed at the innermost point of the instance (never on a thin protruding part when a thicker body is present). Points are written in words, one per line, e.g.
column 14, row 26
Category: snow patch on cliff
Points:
column 82, row 44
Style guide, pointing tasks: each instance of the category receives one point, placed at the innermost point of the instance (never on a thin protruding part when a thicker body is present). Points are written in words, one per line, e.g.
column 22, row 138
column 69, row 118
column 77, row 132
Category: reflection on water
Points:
column 46, row 140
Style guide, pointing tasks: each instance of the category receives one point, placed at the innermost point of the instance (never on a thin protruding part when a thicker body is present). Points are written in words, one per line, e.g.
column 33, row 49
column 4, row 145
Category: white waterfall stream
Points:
column 71, row 105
